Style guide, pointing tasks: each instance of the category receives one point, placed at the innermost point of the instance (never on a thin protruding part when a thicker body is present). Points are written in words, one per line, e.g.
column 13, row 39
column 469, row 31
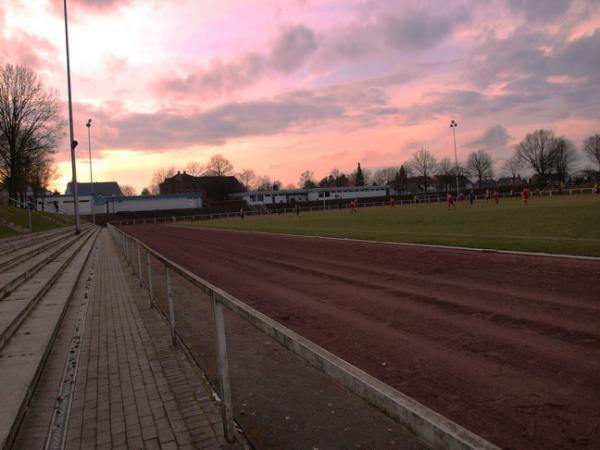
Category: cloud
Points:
column 76, row 7
column 420, row 30
column 539, row 10
column 167, row 130
column 114, row 64
column 289, row 52
column 494, row 137
column 219, row 78
column 292, row 48
column 29, row 50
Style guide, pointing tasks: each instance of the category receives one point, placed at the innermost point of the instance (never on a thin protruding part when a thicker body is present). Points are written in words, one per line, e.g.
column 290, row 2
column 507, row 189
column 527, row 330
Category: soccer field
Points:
column 566, row 225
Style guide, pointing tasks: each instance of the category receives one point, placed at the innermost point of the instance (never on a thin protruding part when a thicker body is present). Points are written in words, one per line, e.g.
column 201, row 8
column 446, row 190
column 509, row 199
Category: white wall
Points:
column 154, row 204
column 65, row 204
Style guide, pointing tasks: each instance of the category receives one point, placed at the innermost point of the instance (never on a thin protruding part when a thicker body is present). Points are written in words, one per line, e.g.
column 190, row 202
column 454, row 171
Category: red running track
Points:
column 507, row 346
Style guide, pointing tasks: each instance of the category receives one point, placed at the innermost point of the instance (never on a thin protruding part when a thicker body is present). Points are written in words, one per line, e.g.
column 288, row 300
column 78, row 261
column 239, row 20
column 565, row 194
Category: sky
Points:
column 287, row 86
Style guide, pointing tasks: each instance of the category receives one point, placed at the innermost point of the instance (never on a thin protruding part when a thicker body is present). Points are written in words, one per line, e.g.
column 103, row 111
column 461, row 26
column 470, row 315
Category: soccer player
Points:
column 297, row 209
column 353, row 204
column 525, row 195
column 471, row 197
column 450, row 201
column 496, row 197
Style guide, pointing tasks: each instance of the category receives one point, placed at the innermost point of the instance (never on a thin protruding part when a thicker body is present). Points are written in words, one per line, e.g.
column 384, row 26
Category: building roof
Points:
column 103, row 188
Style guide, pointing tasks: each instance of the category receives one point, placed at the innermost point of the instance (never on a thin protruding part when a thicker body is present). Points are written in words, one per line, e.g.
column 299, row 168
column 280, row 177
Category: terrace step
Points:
column 17, row 275
column 19, row 254
column 29, row 321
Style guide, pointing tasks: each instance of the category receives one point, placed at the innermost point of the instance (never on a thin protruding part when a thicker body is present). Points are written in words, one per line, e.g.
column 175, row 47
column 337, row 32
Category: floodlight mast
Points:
column 89, row 126
column 72, row 141
column 453, row 125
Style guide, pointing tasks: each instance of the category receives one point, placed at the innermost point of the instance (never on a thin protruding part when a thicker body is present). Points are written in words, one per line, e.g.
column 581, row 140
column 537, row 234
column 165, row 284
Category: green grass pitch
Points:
column 564, row 225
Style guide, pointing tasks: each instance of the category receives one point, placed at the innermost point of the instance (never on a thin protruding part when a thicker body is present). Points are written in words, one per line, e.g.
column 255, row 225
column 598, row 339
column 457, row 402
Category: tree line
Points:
column 31, row 124
column 548, row 157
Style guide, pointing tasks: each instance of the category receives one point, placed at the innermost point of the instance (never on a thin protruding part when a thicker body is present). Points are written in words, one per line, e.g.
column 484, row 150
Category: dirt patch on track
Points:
column 507, row 346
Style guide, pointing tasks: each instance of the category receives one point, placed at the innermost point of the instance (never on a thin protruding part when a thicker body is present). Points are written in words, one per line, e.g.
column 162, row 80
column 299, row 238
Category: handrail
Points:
column 430, row 426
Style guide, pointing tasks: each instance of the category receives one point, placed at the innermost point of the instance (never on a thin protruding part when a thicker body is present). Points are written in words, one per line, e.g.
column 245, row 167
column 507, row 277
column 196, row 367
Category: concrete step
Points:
column 23, row 355
column 11, row 244
column 30, row 249
column 17, row 275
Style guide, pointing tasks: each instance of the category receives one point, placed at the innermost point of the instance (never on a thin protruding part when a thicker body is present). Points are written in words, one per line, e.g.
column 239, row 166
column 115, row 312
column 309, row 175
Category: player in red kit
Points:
column 450, row 201
column 525, row 195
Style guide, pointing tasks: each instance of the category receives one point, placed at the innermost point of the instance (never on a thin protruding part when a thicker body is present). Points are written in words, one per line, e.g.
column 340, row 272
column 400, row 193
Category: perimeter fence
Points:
column 331, row 205
column 192, row 312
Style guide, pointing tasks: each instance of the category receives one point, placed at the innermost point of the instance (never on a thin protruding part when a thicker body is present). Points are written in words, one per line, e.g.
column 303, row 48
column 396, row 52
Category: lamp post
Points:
column 453, row 125
column 88, row 124
column 72, row 140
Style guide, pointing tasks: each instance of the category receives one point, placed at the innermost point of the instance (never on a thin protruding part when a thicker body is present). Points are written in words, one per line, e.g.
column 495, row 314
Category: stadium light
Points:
column 71, row 134
column 88, row 124
column 453, row 125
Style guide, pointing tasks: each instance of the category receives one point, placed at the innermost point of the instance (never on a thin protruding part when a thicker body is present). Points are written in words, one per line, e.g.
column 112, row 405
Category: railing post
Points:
column 223, row 364
column 171, row 306
column 29, row 218
column 139, row 261
column 126, row 248
column 150, row 288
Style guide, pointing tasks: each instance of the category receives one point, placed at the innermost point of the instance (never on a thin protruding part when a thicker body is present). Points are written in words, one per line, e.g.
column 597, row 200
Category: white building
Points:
column 255, row 198
column 109, row 205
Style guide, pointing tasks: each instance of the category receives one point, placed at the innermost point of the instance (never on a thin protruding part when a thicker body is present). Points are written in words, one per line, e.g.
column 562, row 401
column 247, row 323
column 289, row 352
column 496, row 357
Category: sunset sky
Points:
column 285, row 86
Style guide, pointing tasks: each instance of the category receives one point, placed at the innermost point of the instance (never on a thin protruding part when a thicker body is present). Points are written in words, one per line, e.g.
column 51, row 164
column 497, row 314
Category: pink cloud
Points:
column 26, row 49
column 76, row 8
column 301, row 85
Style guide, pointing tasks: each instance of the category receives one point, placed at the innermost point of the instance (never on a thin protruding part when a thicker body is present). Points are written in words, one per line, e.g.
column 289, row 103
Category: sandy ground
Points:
column 507, row 346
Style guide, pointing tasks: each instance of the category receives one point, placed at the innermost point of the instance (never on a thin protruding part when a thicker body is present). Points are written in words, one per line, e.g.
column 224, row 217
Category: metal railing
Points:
column 430, row 426
column 417, row 200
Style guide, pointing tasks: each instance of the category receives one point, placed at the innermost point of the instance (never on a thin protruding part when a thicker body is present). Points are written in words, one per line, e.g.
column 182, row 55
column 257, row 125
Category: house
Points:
column 214, row 188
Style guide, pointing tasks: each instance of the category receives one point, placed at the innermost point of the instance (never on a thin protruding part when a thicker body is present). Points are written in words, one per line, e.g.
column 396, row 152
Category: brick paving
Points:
column 133, row 389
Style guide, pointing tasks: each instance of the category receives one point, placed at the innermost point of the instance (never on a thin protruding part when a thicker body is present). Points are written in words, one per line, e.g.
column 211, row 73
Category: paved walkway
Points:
column 133, row 390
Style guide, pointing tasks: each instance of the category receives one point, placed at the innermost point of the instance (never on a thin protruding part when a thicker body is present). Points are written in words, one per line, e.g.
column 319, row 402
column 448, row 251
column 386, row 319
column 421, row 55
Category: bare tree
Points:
column 423, row 163
column 218, row 166
column 591, row 147
column 307, row 180
column 512, row 167
column 445, row 167
column 128, row 190
column 247, row 177
column 385, row 176
column 194, row 168
column 159, row 177
column 563, row 156
column 480, row 165
column 264, row 183
column 536, row 150
column 30, row 125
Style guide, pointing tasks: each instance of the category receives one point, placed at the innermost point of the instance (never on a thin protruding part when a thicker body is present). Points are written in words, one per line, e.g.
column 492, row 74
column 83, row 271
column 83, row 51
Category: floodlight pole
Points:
column 453, row 125
column 72, row 141
column 89, row 126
